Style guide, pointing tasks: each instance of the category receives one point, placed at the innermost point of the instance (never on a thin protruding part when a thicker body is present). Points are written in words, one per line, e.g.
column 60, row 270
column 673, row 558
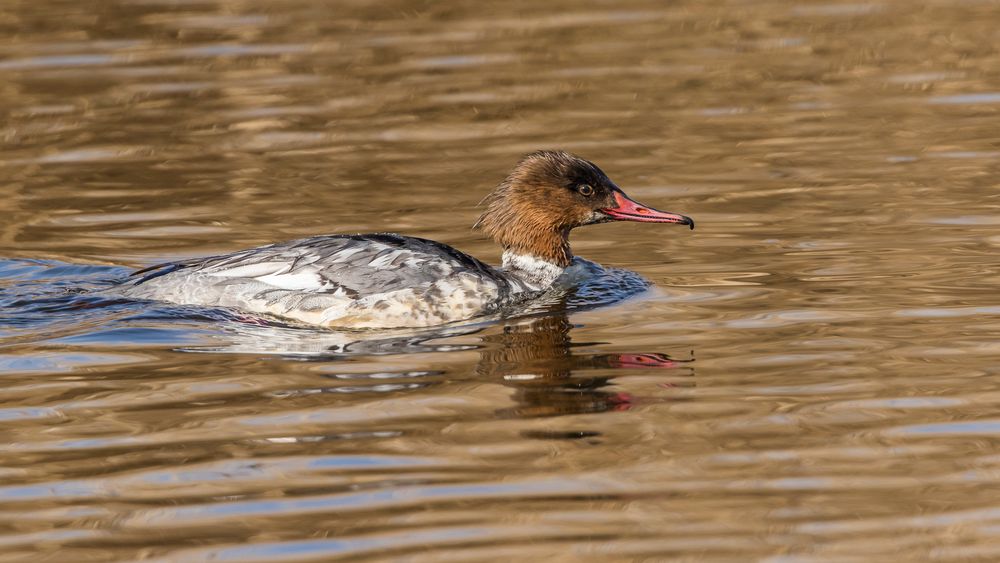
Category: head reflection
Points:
column 538, row 358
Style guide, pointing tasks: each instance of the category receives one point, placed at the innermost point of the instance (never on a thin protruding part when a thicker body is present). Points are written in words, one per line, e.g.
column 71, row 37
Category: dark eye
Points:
column 585, row 189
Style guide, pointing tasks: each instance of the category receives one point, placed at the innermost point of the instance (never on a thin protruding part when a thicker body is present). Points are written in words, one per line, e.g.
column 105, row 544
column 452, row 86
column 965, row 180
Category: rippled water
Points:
column 815, row 375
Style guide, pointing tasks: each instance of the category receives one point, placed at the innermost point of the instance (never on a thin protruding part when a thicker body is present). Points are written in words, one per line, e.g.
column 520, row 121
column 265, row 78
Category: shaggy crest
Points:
column 534, row 208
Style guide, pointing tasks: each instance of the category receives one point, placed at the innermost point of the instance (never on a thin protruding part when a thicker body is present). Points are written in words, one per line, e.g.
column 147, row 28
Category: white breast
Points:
column 537, row 273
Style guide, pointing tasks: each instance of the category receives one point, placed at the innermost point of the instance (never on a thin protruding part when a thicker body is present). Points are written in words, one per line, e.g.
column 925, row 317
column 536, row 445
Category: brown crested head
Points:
column 547, row 194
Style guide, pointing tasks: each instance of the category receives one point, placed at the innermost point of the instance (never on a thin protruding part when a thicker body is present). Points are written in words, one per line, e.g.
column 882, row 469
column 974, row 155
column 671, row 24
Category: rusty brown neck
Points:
column 542, row 244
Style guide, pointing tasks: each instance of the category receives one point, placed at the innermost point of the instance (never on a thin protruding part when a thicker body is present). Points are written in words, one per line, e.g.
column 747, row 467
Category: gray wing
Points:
column 361, row 280
column 355, row 264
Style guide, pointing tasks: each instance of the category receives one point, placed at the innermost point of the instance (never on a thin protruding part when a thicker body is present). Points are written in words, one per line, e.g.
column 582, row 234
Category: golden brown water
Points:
column 839, row 297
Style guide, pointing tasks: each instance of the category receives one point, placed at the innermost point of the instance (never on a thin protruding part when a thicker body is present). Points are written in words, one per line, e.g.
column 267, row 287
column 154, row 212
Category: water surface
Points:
column 813, row 377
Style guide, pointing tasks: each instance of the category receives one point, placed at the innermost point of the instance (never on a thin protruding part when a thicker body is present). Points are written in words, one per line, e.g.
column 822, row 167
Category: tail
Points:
column 156, row 271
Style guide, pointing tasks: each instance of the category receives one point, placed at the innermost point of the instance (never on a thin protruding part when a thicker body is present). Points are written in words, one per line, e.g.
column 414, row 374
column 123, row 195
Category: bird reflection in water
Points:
column 535, row 356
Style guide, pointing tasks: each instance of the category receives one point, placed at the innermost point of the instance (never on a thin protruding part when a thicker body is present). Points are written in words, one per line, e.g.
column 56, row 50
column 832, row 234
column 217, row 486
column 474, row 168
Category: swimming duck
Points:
column 392, row 281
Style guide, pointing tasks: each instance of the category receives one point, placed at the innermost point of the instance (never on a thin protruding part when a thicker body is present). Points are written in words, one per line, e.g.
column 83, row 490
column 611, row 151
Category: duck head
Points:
column 549, row 193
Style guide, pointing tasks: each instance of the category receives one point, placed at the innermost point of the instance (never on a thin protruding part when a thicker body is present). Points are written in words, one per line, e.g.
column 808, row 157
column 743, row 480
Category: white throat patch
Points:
column 537, row 273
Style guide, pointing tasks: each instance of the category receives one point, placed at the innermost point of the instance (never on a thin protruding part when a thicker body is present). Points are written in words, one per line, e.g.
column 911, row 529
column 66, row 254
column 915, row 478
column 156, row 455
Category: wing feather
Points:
column 351, row 264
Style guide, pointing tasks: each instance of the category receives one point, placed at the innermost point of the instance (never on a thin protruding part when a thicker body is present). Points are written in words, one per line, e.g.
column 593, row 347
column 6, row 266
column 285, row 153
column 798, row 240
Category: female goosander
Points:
column 389, row 280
